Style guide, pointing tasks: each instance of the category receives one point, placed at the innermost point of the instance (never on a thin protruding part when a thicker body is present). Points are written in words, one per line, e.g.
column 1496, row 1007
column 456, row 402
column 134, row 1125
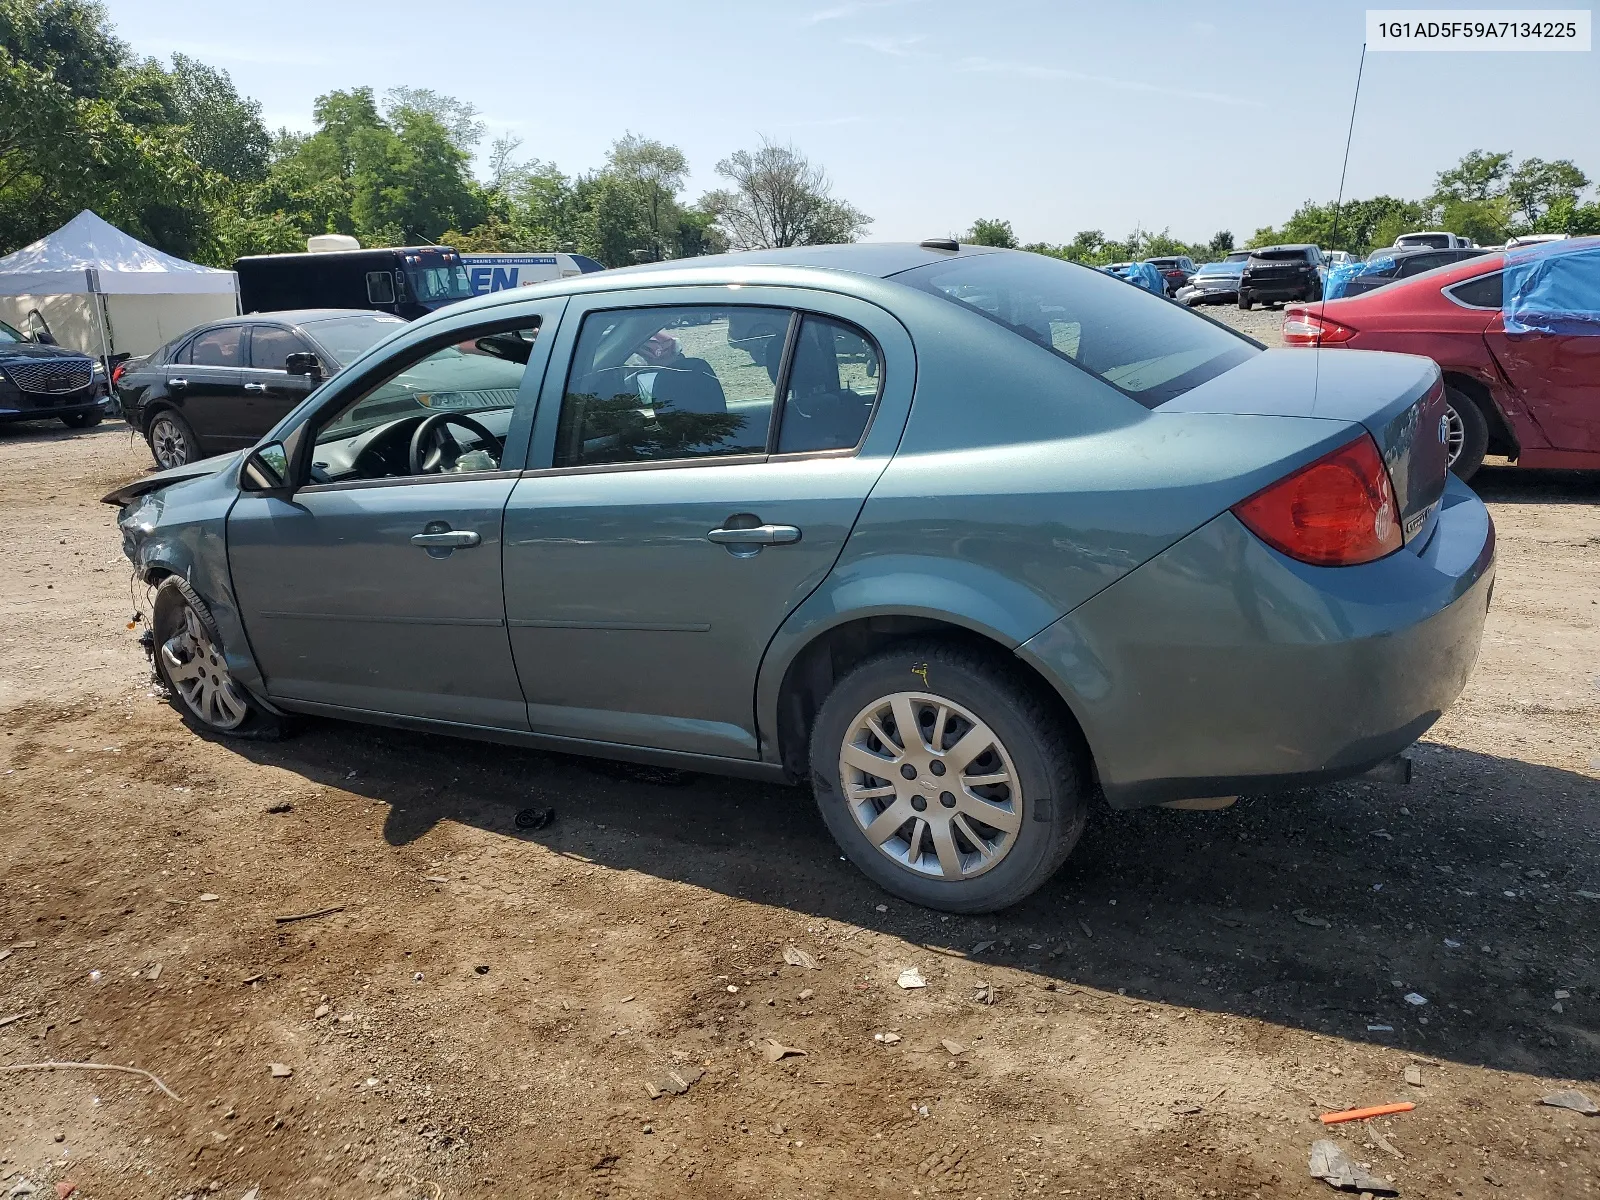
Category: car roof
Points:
column 291, row 316
column 797, row 266
column 1284, row 246
column 1439, row 278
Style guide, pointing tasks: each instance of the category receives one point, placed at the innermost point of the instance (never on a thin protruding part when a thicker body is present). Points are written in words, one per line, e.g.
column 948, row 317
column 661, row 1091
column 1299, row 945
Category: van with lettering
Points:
column 496, row 272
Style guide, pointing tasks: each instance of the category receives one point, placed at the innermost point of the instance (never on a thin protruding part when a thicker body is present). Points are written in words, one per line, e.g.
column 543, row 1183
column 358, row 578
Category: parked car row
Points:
column 960, row 537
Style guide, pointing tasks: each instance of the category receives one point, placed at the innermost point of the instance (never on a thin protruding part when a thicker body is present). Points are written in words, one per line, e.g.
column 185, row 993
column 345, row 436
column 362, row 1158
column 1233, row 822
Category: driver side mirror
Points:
column 303, row 362
column 266, row 471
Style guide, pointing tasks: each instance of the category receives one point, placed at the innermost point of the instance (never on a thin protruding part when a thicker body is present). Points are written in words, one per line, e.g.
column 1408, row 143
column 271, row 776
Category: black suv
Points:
column 1274, row 274
column 40, row 380
column 1391, row 265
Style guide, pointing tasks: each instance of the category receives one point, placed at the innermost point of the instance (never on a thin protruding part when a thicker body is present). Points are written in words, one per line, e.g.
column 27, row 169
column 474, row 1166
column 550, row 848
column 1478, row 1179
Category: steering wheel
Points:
column 432, row 444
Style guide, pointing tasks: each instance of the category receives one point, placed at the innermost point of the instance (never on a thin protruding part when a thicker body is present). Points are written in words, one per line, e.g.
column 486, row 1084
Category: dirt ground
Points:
column 483, row 1012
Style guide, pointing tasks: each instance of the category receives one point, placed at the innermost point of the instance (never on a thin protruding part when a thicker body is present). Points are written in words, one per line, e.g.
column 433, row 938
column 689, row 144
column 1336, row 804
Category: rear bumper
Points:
column 1279, row 289
column 1223, row 667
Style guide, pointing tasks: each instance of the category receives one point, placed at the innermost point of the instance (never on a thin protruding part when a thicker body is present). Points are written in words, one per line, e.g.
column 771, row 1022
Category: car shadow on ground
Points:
column 1321, row 910
column 51, row 429
column 1500, row 483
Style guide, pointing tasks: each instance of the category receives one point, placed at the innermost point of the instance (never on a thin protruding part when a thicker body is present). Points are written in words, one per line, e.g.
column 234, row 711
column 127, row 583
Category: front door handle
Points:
column 760, row 535
column 255, row 387
column 446, row 539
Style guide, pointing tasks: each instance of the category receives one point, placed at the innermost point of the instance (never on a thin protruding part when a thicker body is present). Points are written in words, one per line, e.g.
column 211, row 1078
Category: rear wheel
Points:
column 189, row 661
column 1466, row 433
column 946, row 780
column 82, row 420
column 172, row 440
column 1246, row 301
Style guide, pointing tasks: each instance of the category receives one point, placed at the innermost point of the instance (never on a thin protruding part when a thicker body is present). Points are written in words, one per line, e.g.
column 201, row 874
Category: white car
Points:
column 1432, row 240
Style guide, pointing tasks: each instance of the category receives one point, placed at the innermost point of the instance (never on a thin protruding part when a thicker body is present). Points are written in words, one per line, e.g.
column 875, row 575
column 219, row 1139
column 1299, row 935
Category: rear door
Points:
column 270, row 392
column 208, row 386
column 1557, row 378
column 702, row 467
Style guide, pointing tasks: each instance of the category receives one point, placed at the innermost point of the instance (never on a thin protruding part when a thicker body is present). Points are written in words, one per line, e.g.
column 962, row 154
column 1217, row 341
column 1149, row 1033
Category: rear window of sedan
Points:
column 1147, row 348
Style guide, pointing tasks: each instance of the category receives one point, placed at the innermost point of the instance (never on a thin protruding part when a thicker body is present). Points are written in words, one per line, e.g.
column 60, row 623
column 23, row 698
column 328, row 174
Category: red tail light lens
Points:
column 1302, row 328
column 1335, row 512
column 116, row 373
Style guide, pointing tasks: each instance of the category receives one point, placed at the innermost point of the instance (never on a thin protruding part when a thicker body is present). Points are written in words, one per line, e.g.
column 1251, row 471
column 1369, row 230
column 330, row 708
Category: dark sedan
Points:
column 221, row 386
column 40, row 381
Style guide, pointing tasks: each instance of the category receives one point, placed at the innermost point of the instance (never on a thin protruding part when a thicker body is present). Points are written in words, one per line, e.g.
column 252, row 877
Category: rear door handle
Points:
column 255, row 387
column 447, row 539
column 179, row 383
column 761, row 535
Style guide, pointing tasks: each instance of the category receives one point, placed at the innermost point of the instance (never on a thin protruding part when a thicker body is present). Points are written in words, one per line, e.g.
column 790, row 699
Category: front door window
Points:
column 669, row 383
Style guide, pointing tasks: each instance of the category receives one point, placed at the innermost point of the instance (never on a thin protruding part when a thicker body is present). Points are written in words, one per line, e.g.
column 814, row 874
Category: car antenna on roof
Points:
column 940, row 244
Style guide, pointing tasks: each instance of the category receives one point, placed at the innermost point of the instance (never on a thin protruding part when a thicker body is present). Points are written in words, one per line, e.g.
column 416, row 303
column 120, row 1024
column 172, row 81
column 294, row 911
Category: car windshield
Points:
column 434, row 284
column 1238, row 256
column 8, row 334
column 1162, row 263
column 1145, row 347
column 348, row 338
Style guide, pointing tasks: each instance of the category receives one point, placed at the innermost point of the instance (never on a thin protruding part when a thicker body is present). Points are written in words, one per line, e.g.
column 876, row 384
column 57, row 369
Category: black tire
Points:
column 1474, row 431
column 82, row 420
column 1246, row 301
column 1314, row 293
column 185, row 635
column 171, row 439
column 1054, row 783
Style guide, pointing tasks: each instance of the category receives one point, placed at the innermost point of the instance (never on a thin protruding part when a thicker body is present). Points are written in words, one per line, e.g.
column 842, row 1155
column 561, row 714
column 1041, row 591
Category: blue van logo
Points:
column 487, row 278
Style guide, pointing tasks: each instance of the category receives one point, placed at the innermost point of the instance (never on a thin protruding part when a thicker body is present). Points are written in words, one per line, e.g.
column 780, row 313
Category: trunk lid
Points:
column 1397, row 398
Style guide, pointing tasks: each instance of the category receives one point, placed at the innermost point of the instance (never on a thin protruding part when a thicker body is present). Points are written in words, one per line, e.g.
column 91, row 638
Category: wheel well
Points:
column 1501, row 439
column 830, row 656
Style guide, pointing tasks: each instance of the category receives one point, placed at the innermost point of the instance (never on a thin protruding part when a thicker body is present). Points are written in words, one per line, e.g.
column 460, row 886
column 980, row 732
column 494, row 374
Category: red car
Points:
column 1531, row 395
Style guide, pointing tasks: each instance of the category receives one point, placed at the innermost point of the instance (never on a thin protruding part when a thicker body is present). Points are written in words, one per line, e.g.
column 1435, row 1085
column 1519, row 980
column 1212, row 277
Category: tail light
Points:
column 116, row 373
column 1335, row 512
column 1303, row 328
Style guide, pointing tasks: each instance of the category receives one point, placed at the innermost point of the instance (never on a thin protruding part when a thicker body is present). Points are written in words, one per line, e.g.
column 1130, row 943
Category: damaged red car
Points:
column 1517, row 335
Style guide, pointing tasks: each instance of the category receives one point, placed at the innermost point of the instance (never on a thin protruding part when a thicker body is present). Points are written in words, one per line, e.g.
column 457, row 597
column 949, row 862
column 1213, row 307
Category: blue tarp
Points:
column 1141, row 275
column 1553, row 287
column 1339, row 277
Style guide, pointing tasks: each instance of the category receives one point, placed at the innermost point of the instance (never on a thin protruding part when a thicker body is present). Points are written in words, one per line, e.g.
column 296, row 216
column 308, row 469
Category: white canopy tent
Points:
column 103, row 292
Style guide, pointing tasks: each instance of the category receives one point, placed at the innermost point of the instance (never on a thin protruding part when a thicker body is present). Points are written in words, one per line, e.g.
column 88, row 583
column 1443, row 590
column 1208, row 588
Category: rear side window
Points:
column 669, row 383
column 220, row 347
column 271, row 345
column 1147, row 348
column 1486, row 291
column 834, row 375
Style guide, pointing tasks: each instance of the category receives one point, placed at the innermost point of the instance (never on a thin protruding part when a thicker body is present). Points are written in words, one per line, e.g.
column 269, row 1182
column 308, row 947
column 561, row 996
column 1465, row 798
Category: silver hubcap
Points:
column 170, row 446
column 931, row 785
column 1455, row 434
column 196, row 668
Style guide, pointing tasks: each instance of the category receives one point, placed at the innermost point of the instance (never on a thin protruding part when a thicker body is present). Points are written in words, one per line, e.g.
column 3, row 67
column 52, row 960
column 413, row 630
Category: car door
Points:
column 270, row 392
column 700, row 467
column 378, row 588
column 208, row 388
column 1557, row 378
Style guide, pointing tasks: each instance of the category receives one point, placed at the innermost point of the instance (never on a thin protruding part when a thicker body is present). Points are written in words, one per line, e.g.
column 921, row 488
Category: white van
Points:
column 495, row 272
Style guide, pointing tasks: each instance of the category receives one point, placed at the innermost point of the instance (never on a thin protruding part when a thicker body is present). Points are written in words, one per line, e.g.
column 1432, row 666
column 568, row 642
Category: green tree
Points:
column 992, row 233
column 1536, row 187
column 1220, row 245
column 458, row 117
column 1478, row 176
column 224, row 131
column 655, row 171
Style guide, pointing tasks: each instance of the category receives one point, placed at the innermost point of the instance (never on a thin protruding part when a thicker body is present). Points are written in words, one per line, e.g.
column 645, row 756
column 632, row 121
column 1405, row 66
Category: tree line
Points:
column 1486, row 197
column 175, row 156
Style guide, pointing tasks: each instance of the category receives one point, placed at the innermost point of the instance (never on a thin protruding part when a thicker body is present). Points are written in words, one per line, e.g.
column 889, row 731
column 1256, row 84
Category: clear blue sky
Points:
column 928, row 113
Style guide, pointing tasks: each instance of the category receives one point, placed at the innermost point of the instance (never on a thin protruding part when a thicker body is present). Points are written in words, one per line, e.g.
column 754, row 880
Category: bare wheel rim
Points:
column 196, row 668
column 170, row 446
column 931, row 786
column 1455, row 435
